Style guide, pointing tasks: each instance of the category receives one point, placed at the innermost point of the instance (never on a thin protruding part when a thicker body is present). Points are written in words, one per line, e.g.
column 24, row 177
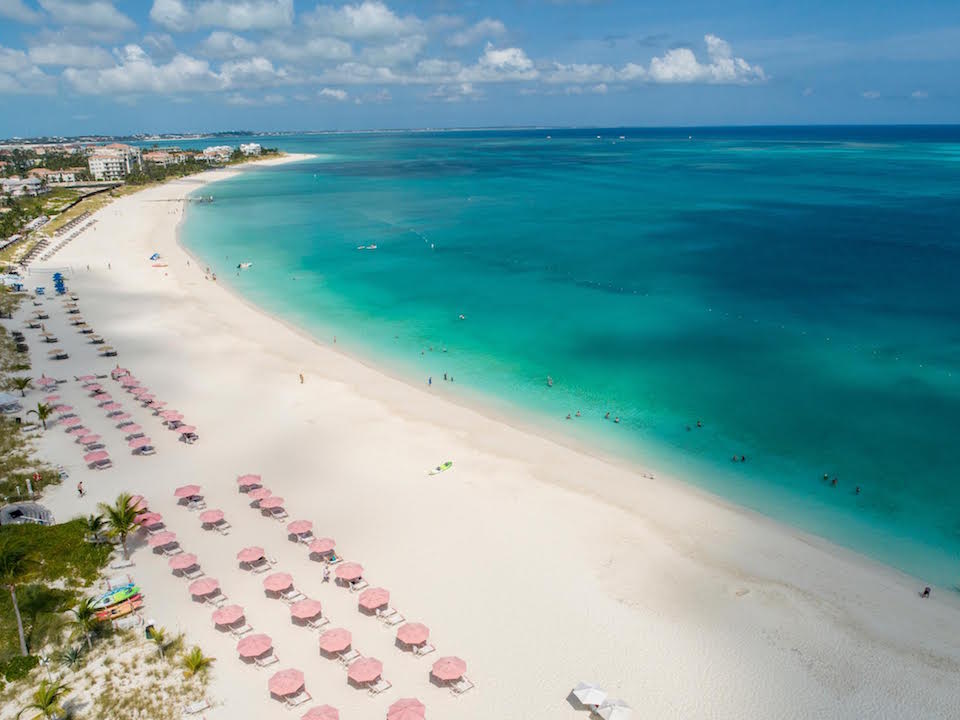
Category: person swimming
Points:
column 607, row 416
column 616, row 419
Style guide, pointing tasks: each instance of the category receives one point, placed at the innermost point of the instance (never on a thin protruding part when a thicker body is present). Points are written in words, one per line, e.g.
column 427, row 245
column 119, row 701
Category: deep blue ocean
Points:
column 795, row 290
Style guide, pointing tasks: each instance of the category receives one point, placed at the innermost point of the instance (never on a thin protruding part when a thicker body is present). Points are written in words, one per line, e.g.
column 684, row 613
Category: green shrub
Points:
column 19, row 667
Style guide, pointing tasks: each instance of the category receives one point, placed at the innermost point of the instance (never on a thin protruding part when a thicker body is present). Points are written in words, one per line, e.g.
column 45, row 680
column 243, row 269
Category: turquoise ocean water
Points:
column 795, row 289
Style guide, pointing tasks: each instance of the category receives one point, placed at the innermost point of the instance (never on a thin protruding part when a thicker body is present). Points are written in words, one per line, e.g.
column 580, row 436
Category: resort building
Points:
column 216, row 153
column 114, row 161
column 250, row 148
column 17, row 187
column 163, row 158
column 67, row 175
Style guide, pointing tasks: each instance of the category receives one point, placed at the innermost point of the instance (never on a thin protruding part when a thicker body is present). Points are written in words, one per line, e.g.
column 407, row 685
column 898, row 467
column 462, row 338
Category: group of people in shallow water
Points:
column 605, row 417
column 834, row 482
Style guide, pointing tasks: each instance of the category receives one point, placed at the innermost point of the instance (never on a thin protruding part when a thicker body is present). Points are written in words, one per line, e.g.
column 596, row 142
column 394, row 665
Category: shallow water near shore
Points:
column 792, row 289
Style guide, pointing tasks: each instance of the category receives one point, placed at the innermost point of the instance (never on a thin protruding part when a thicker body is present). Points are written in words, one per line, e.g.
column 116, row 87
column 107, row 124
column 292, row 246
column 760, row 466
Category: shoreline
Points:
column 659, row 590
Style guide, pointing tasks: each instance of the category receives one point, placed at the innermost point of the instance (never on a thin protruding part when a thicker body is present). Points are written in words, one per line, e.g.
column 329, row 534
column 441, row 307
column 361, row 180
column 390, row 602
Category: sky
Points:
column 73, row 67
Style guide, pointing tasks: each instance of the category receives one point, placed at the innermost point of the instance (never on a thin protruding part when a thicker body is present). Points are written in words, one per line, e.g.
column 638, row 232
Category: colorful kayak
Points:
column 122, row 610
column 442, row 468
column 115, row 596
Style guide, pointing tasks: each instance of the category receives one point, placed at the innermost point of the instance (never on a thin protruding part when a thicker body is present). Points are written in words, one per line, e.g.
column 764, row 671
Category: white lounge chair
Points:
column 223, row 527
column 241, row 631
column 172, row 550
column 292, row 595
column 299, row 699
column 358, row 585
column 193, row 574
column 381, row 685
column 349, row 656
column 197, row 504
column 424, row 649
column 219, row 599
column 266, row 660
column 196, row 708
column 318, row 622
column 384, row 614
column 460, row 686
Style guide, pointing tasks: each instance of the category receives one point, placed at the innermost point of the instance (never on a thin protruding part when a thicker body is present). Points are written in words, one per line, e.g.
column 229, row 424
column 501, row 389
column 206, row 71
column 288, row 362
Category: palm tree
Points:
column 21, row 384
column 46, row 700
column 85, row 620
column 120, row 519
column 163, row 641
column 42, row 412
column 14, row 563
column 95, row 525
column 71, row 656
column 195, row 662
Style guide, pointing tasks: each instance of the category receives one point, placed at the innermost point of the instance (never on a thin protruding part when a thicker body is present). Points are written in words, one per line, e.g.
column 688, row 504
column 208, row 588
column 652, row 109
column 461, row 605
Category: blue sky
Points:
column 71, row 66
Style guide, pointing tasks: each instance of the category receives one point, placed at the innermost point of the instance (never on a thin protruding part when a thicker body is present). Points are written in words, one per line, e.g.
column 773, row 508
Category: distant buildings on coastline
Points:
column 250, row 148
column 114, row 161
column 19, row 187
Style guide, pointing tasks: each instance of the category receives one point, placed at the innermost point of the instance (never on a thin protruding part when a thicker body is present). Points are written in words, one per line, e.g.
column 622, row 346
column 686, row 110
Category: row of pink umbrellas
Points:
column 82, row 435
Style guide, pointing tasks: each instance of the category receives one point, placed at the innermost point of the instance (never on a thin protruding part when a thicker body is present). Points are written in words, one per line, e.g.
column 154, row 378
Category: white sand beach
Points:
column 537, row 564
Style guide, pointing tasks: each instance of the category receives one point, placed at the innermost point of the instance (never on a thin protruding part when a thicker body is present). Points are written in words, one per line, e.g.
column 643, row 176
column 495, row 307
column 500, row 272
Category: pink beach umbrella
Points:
column 119, row 372
column 93, row 387
column 88, row 439
column 285, row 682
column 63, row 408
column 139, row 442
column 321, row 712
column 138, row 503
column 161, row 539
column 298, row 527
column 148, row 519
column 185, row 491
column 321, row 546
column 132, row 429
column 269, row 503
column 86, row 378
column 227, row 615
column 137, row 392
column 277, row 582
column 211, row 517
column 71, row 421
column 407, row 709
column 129, row 381
column 305, row 609
column 203, row 586
column 51, row 398
column 171, row 415
column 246, row 481
column 350, row 571
column 254, row 645
column 335, row 640
column 250, row 554
column 365, row 670
column 78, row 430
column 121, row 418
column 186, row 429
column 103, row 397
column 145, row 398
column 156, row 404
column 45, row 381
column 113, row 407
column 182, row 562
column 373, row 598
column 413, row 633
column 259, row 493
column 448, row 668
column 96, row 456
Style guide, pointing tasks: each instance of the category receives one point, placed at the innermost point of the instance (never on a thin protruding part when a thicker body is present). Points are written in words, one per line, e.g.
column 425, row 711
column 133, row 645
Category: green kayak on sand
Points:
column 442, row 468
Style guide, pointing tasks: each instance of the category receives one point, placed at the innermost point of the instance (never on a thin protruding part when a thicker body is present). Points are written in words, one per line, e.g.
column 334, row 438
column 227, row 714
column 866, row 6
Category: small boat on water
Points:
column 244, row 265
column 366, row 247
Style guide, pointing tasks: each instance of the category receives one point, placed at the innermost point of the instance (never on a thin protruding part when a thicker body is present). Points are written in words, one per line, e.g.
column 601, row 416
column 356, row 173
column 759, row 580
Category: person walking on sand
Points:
column 301, row 378
column 80, row 489
column 326, row 573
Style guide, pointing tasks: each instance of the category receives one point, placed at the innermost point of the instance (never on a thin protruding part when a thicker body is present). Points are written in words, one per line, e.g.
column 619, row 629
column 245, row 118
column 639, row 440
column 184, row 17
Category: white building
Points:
column 17, row 187
column 216, row 153
column 67, row 175
column 250, row 148
column 114, row 162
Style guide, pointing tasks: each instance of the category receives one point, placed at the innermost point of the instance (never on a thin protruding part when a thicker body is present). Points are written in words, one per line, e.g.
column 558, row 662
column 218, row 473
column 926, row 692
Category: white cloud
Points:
column 178, row 16
column 369, row 19
column 580, row 73
column 238, row 99
column 99, row 14
column 919, row 94
column 333, row 94
column 870, row 94
column 437, row 70
column 20, row 76
column 500, row 65
column 456, row 93
column 379, row 97
column 482, row 30
column 253, row 72
column 315, row 48
column 16, row 10
column 354, row 73
column 135, row 73
column 680, row 65
column 73, row 55
column 222, row 44
column 160, row 45
column 404, row 50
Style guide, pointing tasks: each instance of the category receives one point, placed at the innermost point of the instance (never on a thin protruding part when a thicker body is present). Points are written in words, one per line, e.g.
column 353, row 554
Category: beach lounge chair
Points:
column 292, row 595
column 278, row 514
column 394, row 620
column 349, row 656
column 223, row 527
column 199, row 504
column 266, row 660
column 386, row 613
column 379, row 686
column 169, row 550
column 333, row 559
column 241, row 630
column 120, row 564
column 193, row 574
column 460, row 686
column 299, row 699
column 424, row 649
column 218, row 600
column 318, row 622
column 195, row 708
column 358, row 585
